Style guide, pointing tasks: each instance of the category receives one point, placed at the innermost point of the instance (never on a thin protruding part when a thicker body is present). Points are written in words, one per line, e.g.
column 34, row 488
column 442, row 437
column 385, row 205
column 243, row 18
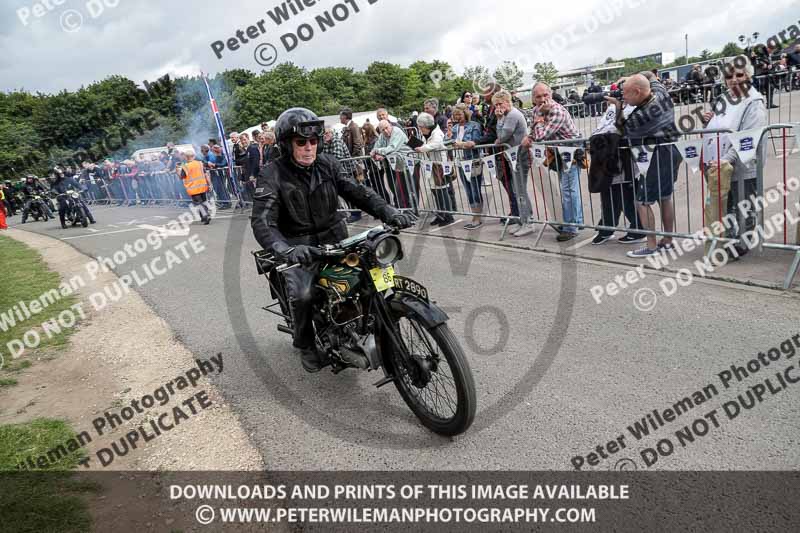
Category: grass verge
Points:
column 49, row 498
column 45, row 500
column 26, row 278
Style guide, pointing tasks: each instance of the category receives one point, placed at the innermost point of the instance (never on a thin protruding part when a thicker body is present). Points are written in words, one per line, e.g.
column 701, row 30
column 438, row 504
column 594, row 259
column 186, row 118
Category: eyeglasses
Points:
column 738, row 75
column 302, row 142
column 467, row 96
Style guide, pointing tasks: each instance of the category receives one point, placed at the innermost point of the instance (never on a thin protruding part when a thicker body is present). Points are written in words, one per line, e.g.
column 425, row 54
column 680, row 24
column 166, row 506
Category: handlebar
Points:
column 328, row 251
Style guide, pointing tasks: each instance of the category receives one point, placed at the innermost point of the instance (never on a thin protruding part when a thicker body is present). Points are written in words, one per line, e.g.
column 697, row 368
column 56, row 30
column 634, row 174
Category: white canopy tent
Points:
column 358, row 118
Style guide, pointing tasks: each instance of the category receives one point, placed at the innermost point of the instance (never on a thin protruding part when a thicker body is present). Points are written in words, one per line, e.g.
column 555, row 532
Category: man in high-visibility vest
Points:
column 196, row 183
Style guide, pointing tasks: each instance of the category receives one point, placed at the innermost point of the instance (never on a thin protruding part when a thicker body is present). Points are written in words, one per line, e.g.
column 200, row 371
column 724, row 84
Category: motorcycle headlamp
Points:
column 387, row 250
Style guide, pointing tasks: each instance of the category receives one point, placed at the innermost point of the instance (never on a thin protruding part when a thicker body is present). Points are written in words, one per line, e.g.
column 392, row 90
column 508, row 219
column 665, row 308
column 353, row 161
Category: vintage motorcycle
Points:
column 38, row 208
column 367, row 317
column 75, row 213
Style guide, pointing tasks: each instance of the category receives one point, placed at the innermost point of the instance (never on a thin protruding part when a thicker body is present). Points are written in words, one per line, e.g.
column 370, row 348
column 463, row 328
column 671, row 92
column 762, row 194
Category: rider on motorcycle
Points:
column 295, row 209
column 61, row 185
column 32, row 188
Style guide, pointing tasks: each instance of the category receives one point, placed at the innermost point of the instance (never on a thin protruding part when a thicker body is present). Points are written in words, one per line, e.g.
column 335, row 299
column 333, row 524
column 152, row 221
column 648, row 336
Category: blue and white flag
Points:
column 221, row 133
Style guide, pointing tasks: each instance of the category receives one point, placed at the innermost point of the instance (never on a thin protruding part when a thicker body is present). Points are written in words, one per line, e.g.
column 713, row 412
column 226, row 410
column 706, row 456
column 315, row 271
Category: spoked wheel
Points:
column 437, row 385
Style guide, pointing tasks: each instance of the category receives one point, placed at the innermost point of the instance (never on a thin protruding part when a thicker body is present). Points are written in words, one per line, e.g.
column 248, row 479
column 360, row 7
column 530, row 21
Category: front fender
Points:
column 428, row 314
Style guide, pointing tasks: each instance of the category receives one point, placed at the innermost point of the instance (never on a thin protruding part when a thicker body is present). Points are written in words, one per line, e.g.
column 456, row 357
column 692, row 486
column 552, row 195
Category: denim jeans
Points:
column 571, row 197
column 520, row 182
column 472, row 187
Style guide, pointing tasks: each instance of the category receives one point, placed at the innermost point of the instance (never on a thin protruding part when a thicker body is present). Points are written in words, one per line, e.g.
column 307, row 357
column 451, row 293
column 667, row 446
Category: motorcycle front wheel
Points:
column 438, row 385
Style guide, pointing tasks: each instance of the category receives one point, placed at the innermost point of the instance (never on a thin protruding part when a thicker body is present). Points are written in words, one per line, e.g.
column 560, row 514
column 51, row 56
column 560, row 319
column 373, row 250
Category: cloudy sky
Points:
column 80, row 41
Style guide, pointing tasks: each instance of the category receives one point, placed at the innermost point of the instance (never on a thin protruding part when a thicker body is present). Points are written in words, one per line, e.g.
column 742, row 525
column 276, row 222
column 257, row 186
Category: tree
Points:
column 731, row 49
column 478, row 77
column 385, row 82
column 705, row 55
column 509, row 75
column 546, row 73
column 274, row 91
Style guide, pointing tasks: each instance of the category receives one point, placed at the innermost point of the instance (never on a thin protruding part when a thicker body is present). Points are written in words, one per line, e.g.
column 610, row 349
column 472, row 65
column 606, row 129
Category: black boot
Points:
column 312, row 360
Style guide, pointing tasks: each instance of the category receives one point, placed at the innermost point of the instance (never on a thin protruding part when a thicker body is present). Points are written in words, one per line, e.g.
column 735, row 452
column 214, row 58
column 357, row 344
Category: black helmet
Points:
column 297, row 122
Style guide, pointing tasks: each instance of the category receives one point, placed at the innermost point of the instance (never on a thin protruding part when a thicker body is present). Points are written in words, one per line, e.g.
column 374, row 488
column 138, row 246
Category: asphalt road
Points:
column 556, row 373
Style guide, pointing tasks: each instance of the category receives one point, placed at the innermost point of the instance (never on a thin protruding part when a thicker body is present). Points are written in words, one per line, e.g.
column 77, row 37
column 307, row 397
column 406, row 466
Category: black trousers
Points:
column 200, row 200
column 619, row 199
column 299, row 291
column 505, row 177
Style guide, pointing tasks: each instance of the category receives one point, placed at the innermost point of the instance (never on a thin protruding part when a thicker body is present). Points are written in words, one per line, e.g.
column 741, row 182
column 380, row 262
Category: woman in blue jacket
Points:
column 465, row 130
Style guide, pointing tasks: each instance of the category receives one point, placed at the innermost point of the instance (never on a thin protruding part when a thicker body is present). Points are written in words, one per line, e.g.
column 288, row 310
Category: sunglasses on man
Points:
column 303, row 141
column 737, row 75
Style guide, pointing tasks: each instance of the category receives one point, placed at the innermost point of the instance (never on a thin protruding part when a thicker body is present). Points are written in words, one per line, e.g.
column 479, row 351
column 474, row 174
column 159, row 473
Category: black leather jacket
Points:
column 31, row 190
column 298, row 205
column 62, row 185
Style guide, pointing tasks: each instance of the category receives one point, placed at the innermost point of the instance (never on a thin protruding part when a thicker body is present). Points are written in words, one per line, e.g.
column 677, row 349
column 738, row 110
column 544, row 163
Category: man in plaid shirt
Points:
column 552, row 121
column 334, row 145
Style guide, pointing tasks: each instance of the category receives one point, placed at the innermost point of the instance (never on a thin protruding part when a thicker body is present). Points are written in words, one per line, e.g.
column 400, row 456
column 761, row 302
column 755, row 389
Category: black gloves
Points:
column 301, row 253
column 402, row 220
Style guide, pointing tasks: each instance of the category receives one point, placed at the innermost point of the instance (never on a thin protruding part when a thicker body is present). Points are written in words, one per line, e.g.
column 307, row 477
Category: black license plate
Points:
column 410, row 286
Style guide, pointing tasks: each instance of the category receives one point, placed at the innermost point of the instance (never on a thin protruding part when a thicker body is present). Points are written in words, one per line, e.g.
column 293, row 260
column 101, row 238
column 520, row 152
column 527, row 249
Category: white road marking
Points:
column 165, row 232
column 98, row 234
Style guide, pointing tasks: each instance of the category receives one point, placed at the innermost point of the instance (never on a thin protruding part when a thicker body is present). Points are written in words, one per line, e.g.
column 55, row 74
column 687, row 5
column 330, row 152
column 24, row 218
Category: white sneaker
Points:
column 527, row 229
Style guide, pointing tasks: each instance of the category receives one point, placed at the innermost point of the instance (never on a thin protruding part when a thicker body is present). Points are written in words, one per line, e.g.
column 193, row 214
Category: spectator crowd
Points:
column 441, row 159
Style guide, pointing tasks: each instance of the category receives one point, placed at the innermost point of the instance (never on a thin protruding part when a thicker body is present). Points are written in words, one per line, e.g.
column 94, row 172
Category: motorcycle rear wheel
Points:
column 447, row 402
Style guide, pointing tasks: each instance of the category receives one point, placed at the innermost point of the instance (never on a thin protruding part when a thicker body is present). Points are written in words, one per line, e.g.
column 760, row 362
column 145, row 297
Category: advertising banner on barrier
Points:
column 567, row 155
column 539, row 153
column 490, row 164
column 466, row 167
column 427, row 169
column 447, row 166
column 643, row 158
column 746, row 143
column 410, row 162
column 690, row 151
column 512, row 154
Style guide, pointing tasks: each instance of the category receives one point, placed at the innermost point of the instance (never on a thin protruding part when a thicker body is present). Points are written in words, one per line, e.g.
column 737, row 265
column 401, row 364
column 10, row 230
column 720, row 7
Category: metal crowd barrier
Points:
column 165, row 188
column 546, row 190
column 697, row 99
column 435, row 183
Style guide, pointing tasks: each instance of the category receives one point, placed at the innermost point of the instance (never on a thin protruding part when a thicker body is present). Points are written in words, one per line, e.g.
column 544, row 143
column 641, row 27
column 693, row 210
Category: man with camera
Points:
column 652, row 126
